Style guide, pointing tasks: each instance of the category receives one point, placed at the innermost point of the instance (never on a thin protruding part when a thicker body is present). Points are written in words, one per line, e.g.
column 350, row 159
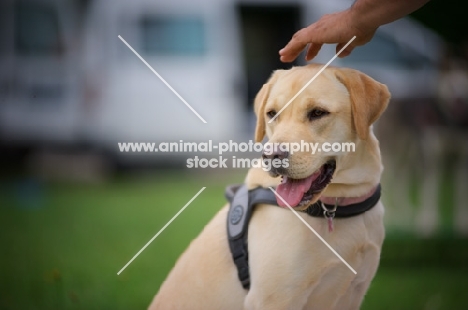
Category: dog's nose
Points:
column 275, row 154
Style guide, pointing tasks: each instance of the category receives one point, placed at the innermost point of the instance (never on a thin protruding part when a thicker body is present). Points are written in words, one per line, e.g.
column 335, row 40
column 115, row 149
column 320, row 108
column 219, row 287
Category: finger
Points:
column 346, row 51
column 291, row 51
column 293, row 48
column 313, row 50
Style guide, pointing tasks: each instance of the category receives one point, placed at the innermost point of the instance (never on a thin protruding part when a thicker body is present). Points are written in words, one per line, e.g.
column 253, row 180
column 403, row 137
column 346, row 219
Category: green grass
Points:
column 63, row 249
column 411, row 288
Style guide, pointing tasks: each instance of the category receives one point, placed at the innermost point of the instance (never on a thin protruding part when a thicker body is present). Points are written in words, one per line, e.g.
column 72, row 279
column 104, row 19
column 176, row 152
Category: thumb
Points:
column 346, row 51
column 313, row 50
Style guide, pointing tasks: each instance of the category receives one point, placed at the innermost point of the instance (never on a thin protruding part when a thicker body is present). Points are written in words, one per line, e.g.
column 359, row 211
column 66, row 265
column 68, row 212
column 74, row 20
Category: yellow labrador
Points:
column 290, row 268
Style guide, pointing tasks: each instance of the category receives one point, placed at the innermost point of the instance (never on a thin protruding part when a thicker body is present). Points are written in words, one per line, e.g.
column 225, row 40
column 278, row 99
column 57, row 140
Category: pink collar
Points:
column 345, row 201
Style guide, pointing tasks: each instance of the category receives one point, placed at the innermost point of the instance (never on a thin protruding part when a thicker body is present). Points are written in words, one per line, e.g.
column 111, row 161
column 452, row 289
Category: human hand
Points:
column 337, row 28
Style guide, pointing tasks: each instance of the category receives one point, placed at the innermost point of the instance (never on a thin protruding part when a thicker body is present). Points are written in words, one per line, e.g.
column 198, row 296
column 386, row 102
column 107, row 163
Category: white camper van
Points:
column 215, row 53
column 192, row 45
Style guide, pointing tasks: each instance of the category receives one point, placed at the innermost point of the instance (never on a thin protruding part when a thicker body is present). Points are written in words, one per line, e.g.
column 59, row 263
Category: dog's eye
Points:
column 316, row 114
column 271, row 113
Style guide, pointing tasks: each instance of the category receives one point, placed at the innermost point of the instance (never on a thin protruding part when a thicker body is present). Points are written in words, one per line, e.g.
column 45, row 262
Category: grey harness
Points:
column 242, row 202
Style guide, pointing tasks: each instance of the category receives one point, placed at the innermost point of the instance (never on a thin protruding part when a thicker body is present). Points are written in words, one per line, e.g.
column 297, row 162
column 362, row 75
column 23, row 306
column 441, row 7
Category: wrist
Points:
column 360, row 20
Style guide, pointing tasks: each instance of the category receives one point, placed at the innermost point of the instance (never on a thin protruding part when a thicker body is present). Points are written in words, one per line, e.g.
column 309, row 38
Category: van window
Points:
column 173, row 35
column 36, row 29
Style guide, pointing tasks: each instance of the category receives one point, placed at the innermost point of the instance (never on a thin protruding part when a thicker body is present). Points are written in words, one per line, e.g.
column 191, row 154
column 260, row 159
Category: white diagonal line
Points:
column 311, row 80
column 161, row 230
column 163, row 80
column 313, row 230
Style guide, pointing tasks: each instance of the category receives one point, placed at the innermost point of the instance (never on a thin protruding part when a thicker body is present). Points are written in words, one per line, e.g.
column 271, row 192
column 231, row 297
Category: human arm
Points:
column 361, row 20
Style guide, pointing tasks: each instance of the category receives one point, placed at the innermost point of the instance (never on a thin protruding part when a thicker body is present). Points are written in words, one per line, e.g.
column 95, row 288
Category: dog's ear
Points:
column 259, row 108
column 369, row 99
column 259, row 105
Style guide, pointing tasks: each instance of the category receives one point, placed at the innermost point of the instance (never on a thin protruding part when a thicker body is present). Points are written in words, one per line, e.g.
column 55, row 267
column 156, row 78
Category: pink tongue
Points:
column 292, row 190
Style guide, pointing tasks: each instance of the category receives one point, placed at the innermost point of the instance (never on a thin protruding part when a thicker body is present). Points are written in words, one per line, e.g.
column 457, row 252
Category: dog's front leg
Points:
column 283, row 272
column 263, row 300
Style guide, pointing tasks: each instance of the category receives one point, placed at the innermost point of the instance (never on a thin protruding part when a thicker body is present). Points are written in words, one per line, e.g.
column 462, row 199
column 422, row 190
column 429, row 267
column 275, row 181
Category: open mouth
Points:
column 300, row 192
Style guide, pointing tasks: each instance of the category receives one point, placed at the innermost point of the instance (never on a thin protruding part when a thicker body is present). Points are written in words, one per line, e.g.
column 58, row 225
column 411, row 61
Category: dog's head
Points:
column 330, row 115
